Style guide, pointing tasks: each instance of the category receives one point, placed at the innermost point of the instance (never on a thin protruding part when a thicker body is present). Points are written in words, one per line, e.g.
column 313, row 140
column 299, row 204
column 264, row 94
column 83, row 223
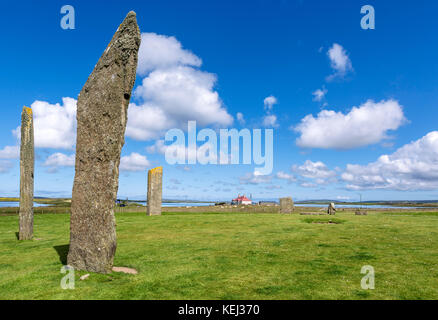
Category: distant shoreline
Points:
column 403, row 203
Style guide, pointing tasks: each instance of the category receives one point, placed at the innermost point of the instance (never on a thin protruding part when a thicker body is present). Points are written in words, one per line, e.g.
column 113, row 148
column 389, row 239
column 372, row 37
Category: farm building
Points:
column 241, row 200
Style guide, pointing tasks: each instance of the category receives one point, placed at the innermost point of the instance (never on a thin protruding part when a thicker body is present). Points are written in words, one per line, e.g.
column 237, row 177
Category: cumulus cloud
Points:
column 308, row 185
column 316, row 171
column 134, row 162
column 204, row 153
column 285, row 176
column 363, row 125
column 160, row 51
column 339, row 61
column 269, row 102
column 173, row 92
column 319, row 94
column 54, row 124
column 270, row 121
column 60, row 160
column 10, row 152
column 255, row 178
column 412, row 167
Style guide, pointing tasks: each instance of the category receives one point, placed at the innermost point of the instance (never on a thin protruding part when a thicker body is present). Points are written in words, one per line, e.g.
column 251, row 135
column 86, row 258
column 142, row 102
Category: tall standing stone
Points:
column 101, row 122
column 155, row 191
column 26, row 175
column 286, row 205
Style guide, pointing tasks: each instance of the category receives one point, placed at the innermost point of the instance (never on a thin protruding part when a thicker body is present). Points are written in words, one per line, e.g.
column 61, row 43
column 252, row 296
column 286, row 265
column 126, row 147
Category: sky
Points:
column 353, row 111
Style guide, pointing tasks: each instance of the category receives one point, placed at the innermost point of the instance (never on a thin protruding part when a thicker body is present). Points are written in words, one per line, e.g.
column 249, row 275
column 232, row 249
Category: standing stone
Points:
column 331, row 209
column 286, row 205
column 101, row 122
column 26, row 175
column 155, row 190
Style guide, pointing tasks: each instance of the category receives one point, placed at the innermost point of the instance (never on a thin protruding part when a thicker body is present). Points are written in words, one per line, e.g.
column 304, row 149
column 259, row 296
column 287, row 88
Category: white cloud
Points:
column 134, row 162
column 160, row 51
column 270, row 121
column 54, row 125
column 173, row 91
column 60, row 160
column 339, row 61
column 308, row 185
column 255, row 178
column 314, row 170
column 412, row 167
column 285, row 176
column 363, row 125
column 269, row 102
column 240, row 118
column 10, row 152
column 181, row 153
column 157, row 147
column 319, row 94
column 146, row 122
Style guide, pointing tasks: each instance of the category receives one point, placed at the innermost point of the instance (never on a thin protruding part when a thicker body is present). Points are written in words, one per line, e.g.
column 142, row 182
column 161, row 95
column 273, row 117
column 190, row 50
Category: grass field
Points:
column 233, row 256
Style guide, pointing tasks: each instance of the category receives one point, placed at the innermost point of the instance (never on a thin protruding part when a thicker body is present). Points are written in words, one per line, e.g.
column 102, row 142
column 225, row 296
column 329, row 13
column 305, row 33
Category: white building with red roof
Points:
column 241, row 200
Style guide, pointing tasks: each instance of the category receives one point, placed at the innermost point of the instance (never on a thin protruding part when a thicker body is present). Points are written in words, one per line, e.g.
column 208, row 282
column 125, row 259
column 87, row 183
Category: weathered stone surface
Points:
column 286, row 205
column 101, row 115
column 331, row 209
column 155, row 190
column 361, row 213
column 27, row 161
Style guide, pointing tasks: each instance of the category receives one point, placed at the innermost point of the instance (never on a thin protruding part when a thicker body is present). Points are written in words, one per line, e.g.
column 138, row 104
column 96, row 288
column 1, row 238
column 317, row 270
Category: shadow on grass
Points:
column 17, row 234
column 62, row 252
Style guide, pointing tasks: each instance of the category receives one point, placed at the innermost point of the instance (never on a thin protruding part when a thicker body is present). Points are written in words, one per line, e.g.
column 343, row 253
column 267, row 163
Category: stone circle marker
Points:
column 155, row 190
column 101, row 122
column 286, row 205
column 27, row 161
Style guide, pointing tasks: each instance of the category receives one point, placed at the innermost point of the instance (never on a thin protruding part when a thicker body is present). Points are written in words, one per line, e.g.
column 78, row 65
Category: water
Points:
column 4, row 204
column 187, row 204
column 376, row 206
column 181, row 204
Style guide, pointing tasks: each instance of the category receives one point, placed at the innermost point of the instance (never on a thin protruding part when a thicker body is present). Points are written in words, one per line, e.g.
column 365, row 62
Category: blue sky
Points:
column 370, row 128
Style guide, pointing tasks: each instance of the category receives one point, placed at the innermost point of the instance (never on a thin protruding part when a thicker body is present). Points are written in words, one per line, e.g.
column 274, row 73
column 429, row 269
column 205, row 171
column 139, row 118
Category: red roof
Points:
column 241, row 198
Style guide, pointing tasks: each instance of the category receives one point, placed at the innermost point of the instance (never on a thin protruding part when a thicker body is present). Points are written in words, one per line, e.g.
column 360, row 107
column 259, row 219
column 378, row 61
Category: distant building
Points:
column 268, row 203
column 241, row 200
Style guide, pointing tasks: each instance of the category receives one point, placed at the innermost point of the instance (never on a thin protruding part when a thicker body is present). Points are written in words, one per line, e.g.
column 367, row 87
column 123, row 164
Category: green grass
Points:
column 232, row 256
